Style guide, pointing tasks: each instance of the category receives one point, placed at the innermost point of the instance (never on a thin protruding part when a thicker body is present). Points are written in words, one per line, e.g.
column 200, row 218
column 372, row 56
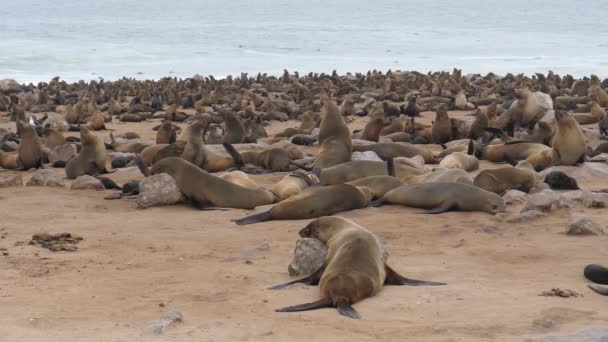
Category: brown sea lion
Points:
column 522, row 178
column 91, row 159
column 395, row 150
column 53, row 138
column 30, row 149
column 149, row 153
column 478, row 127
column 196, row 153
column 443, row 196
column 239, row 178
column 353, row 270
column 205, row 189
column 527, row 113
column 293, row 184
column 275, row 159
column 439, row 175
column 595, row 115
column 128, row 147
column 371, row 131
column 234, row 132
column 516, row 150
column 377, row 185
column 442, row 127
column 166, row 133
column 314, row 202
column 334, row 138
column 97, row 122
column 569, row 145
column 458, row 160
column 8, row 160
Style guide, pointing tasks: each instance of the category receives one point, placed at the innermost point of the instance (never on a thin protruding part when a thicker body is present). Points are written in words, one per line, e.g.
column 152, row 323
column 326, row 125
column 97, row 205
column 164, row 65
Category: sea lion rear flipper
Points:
column 236, row 156
column 205, row 205
column 390, row 166
column 345, row 309
column 394, row 278
column 305, row 168
column 440, row 209
column 92, row 170
column 141, row 165
column 321, row 303
column 312, row 279
column 603, row 290
column 255, row 218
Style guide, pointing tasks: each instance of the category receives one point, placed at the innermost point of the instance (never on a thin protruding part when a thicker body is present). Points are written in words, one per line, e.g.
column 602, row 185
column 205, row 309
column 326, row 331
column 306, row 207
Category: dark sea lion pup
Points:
column 599, row 275
column 354, row 268
column 558, row 180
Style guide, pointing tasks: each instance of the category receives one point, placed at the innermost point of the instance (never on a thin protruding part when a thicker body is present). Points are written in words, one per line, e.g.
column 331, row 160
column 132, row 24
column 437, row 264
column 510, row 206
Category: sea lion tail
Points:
column 255, row 218
column 390, row 167
column 305, row 168
column 345, row 309
column 321, row 303
column 236, row 156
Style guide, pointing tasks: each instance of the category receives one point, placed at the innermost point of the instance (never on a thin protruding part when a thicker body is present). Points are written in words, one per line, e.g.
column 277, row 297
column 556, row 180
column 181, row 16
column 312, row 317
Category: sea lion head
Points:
column 322, row 228
column 167, row 165
column 495, row 204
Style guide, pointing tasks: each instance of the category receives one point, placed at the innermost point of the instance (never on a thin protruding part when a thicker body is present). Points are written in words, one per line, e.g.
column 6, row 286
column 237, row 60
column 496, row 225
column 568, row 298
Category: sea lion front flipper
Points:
column 321, row 303
column 255, row 218
column 603, row 290
column 345, row 309
column 236, row 156
column 312, row 279
column 440, row 209
column 394, row 278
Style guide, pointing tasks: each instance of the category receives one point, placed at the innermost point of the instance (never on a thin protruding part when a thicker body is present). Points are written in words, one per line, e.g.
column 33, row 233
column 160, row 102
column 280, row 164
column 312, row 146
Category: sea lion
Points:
column 8, row 160
column 569, row 146
column 515, row 150
column 92, row 157
column 595, row 114
column 97, row 122
column 526, row 114
column 293, row 184
column 522, row 178
column 396, row 125
column 558, row 180
column 371, row 131
column 356, row 169
column 239, row 178
column 275, row 159
column 205, row 189
column 129, row 147
column 53, row 138
column 478, row 127
column 396, row 137
column 439, row 175
column 166, row 133
column 395, row 150
column 334, row 138
column 353, row 270
column 234, row 132
column 314, row 202
column 443, row 196
column 599, row 95
column 30, row 149
column 458, row 160
column 441, row 131
column 377, row 185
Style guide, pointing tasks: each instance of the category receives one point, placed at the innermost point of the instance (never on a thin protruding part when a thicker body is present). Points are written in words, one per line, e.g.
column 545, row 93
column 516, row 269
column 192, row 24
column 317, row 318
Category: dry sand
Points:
column 134, row 265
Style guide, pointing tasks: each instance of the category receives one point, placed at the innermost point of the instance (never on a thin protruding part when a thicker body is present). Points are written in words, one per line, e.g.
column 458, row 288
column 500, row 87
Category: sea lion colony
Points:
column 211, row 137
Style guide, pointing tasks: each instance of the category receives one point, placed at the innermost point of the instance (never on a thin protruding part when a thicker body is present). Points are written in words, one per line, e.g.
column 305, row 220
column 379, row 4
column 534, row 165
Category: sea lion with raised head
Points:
column 166, row 133
column 354, row 268
column 92, row 157
column 275, row 159
column 443, row 196
column 569, row 145
column 205, row 189
column 441, row 131
column 30, row 149
column 314, row 202
column 334, row 138
column 521, row 177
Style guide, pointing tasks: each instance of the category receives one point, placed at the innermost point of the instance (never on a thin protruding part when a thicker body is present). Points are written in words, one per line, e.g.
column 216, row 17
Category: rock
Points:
column 588, row 334
column 514, row 196
column 8, row 84
column 549, row 116
column 544, row 101
column 87, row 182
column 308, row 257
column 416, row 161
column 310, row 254
column 166, row 321
column 56, row 121
column 158, row 190
column 63, row 153
column 367, row 155
column 539, row 202
column 595, row 199
column 526, row 216
column 574, row 195
column 579, row 224
column 46, row 177
column 10, row 180
column 540, row 187
column 600, row 157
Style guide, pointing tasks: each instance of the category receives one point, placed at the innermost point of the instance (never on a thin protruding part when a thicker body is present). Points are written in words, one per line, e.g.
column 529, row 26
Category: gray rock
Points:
column 10, row 146
column 525, row 216
column 87, row 182
column 158, row 190
column 46, row 177
column 587, row 334
column 166, row 321
column 514, row 196
column 367, row 155
column 600, row 157
column 539, row 202
column 63, row 153
column 540, row 187
column 310, row 254
column 595, row 199
column 10, row 180
column 544, row 101
column 579, row 224
column 308, row 257
column 574, row 195
column 8, row 84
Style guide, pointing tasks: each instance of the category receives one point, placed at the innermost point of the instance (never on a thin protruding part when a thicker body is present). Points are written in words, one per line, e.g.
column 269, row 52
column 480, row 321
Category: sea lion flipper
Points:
column 440, row 209
column 92, row 170
column 312, row 279
column 321, row 303
column 205, row 205
column 236, row 156
column 141, row 165
column 255, row 218
column 394, row 278
column 305, row 168
column 345, row 309
column 603, row 290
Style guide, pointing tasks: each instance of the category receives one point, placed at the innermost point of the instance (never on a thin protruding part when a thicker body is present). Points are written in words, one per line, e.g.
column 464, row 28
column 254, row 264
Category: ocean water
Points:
column 149, row 39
